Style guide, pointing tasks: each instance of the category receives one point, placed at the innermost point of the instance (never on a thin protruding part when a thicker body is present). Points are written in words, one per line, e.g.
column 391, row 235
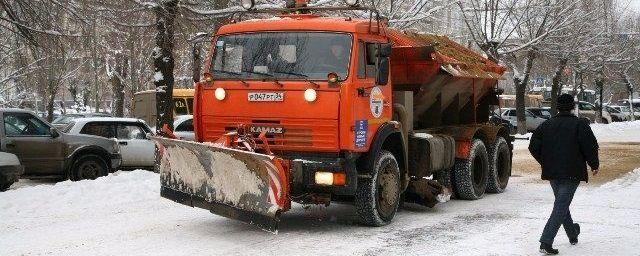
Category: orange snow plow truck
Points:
column 311, row 109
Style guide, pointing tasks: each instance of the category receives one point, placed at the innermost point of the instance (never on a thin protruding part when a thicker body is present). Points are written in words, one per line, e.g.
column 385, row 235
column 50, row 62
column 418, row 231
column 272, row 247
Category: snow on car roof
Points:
column 107, row 119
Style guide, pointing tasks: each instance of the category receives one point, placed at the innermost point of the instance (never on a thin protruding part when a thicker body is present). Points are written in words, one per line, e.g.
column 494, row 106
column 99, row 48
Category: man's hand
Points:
column 595, row 172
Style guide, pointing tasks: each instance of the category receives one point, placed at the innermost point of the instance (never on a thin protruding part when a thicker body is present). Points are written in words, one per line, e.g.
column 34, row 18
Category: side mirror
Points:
column 382, row 76
column 54, row 133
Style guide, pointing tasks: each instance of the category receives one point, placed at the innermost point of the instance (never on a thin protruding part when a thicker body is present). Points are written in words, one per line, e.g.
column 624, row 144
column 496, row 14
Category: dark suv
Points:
column 47, row 153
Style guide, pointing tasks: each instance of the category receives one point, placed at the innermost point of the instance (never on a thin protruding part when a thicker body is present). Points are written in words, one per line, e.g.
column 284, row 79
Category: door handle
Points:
column 122, row 142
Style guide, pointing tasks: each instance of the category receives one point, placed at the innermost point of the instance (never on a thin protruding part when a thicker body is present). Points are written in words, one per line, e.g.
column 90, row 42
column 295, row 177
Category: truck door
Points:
column 30, row 139
column 373, row 103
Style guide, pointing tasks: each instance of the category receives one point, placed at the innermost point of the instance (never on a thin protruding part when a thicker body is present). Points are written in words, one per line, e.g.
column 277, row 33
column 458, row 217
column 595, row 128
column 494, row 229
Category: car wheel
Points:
column 89, row 167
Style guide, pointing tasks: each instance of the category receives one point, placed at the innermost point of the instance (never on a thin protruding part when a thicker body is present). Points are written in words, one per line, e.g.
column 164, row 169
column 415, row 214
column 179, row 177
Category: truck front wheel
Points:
column 470, row 175
column 500, row 166
column 378, row 196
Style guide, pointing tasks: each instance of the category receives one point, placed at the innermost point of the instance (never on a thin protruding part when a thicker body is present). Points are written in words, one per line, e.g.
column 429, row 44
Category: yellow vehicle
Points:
column 144, row 104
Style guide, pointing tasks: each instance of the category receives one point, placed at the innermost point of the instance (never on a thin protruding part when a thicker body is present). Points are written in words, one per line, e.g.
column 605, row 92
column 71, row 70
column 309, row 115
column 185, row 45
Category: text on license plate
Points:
column 266, row 96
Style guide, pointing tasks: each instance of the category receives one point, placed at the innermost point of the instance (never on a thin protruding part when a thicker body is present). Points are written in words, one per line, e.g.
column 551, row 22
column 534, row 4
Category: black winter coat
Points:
column 562, row 145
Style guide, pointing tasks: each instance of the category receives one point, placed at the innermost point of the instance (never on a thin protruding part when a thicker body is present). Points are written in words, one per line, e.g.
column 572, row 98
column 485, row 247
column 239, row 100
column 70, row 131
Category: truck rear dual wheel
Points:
column 378, row 196
column 88, row 167
column 499, row 166
column 470, row 175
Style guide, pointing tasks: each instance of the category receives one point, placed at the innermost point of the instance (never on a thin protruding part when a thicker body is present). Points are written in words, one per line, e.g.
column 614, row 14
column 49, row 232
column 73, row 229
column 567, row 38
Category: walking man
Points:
column 564, row 145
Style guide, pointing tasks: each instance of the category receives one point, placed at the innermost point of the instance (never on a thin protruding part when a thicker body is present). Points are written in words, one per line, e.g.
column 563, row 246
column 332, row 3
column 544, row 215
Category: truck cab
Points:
column 320, row 93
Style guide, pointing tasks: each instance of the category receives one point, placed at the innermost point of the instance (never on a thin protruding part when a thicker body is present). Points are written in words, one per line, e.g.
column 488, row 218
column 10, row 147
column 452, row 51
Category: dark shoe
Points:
column 547, row 249
column 574, row 240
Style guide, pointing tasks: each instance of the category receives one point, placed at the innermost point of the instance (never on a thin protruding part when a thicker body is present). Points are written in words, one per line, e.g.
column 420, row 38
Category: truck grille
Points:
column 297, row 134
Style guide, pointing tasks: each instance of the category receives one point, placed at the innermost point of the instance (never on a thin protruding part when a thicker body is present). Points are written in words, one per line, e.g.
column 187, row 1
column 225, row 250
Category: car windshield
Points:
column 529, row 114
column 545, row 112
column 612, row 110
column 65, row 119
column 282, row 55
column 68, row 127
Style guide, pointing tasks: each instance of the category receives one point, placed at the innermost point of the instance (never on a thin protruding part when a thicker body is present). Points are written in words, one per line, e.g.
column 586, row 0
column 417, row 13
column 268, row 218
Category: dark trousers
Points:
column 563, row 190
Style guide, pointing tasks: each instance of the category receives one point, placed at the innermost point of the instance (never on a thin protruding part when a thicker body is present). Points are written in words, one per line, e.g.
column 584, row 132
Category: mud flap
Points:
column 236, row 184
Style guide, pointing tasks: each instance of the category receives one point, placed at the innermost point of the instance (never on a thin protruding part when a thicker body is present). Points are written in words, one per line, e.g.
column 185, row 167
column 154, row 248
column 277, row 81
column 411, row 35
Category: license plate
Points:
column 267, row 129
column 266, row 96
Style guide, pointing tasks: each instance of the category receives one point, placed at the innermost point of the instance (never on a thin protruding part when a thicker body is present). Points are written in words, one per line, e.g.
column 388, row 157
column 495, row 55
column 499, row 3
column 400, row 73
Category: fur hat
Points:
column 565, row 102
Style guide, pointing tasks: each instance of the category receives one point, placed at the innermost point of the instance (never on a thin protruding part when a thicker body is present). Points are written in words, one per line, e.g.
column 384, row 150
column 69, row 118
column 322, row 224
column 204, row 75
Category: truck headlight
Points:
column 310, row 95
column 220, row 93
column 330, row 178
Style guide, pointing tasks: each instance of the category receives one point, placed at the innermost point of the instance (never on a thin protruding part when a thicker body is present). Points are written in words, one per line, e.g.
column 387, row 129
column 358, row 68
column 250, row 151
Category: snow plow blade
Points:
column 236, row 184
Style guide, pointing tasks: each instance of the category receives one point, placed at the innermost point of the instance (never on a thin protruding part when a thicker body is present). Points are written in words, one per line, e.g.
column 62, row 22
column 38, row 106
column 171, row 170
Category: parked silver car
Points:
column 183, row 127
column 626, row 111
column 590, row 111
column 616, row 115
column 532, row 120
column 137, row 151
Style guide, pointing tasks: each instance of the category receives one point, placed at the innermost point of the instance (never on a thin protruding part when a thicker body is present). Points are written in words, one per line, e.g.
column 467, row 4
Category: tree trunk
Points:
column 117, row 84
column 51, row 97
column 163, row 62
column 94, row 64
column 197, row 60
column 50, row 102
column 627, row 82
column 521, row 87
column 599, row 86
column 556, row 86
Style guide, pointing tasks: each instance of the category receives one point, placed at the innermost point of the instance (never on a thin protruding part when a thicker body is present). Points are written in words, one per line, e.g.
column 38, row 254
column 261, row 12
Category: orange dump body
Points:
column 451, row 83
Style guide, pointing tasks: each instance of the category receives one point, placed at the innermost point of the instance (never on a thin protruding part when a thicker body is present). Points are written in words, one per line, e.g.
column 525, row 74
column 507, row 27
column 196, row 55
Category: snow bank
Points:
column 630, row 181
column 117, row 188
column 617, row 132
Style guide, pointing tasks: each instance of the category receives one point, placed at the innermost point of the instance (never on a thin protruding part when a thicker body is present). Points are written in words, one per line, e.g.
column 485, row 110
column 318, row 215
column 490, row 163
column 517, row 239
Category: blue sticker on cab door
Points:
column 361, row 133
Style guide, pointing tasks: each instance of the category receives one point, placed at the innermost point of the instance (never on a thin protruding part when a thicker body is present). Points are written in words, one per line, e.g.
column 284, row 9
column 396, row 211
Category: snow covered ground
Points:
column 123, row 214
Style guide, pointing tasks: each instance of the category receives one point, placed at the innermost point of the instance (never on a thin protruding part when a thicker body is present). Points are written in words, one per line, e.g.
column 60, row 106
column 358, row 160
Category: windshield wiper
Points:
column 305, row 77
column 232, row 73
column 268, row 75
column 226, row 72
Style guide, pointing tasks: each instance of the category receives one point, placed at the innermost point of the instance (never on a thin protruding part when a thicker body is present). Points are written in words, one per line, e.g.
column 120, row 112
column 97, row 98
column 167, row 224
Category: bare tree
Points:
column 512, row 31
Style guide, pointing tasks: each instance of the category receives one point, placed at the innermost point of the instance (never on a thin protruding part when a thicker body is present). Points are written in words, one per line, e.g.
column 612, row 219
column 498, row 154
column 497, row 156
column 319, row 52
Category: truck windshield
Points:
column 282, row 55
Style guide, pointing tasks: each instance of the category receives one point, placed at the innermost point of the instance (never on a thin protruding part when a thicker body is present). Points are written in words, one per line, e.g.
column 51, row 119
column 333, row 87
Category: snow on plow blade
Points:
column 236, row 184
